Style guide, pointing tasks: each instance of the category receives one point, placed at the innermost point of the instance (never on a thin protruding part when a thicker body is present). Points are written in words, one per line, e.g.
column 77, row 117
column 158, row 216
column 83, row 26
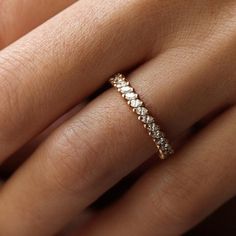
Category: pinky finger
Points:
column 175, row 196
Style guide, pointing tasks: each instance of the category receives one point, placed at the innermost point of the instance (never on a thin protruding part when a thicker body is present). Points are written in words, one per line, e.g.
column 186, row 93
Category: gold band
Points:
column 123, row 86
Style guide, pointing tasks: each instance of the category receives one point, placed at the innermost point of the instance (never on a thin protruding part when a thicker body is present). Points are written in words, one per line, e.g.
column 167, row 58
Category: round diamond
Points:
column 146, row 119
column 152, row 127
column 121, row 83
column 167, row 148
column 117, row 78
column 136, row 103
column 157, row 134
column 161, row 141
column 141, row 111
column 168, row 151
column 126, row 89
column 163, row 146
column 131, row 96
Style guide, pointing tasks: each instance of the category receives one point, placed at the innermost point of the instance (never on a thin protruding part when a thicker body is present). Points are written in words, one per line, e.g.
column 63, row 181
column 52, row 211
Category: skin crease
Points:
column 12, row 27
column 192, row 37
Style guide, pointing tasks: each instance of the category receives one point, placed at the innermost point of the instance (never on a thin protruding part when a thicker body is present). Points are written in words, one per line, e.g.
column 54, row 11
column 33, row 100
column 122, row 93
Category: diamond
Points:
column 168, row 151
column 146, row 119
column 157, row 134
column 131, row 96
column 126, row 89
column 117, row 78
column 152, row 127
column 166, row 146
column 163, row 146
column 161, row 141
column 119, row 75
column 136, row 103
column 121, row 83
column 141, row 111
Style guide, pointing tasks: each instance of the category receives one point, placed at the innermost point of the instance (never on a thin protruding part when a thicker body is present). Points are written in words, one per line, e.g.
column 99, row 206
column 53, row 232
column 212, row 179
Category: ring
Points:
column 123, row 86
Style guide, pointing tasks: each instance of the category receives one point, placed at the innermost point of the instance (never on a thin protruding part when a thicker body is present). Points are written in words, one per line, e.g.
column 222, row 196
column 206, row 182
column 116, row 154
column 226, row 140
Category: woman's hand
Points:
column 181, row 56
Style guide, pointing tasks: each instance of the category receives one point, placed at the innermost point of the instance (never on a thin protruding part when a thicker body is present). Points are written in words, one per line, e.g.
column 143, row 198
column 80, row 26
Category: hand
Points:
column 181, row 58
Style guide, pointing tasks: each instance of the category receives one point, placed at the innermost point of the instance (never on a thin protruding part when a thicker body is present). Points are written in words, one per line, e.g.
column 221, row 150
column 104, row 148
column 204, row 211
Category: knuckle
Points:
column 73, row 167
column 9, row 102
column 13, row 105
column 16, row 92
column 7, row 76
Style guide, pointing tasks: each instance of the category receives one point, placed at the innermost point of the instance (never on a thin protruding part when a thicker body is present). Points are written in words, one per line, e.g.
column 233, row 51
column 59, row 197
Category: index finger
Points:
column 32, row 13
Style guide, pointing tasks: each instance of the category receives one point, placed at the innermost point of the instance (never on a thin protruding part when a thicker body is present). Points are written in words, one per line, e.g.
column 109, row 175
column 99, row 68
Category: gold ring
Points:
column 123, row 86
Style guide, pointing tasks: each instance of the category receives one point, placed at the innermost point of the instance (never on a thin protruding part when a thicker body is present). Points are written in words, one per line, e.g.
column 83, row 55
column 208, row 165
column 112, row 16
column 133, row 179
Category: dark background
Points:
column 220, row 223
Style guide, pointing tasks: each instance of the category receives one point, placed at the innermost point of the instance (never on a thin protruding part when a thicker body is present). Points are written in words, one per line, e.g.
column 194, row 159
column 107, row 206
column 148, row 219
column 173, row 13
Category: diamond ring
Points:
column 123, row 86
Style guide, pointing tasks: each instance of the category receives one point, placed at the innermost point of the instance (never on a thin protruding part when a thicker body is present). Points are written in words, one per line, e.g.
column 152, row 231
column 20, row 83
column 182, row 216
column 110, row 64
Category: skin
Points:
column 181, row 58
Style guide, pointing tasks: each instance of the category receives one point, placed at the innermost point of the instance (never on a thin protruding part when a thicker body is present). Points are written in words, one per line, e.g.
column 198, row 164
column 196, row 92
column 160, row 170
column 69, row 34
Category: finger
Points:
column 63, row 63
column 73, row 167
column 77, row 223
column 180, row 192
column 191, row 85
column 15, row 160
column 78, row 162
column 62, row 170
column 32, row 13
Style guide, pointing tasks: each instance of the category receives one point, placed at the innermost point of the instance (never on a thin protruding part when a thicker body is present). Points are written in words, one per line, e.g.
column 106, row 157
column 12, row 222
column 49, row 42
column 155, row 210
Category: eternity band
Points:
column 123, row 86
